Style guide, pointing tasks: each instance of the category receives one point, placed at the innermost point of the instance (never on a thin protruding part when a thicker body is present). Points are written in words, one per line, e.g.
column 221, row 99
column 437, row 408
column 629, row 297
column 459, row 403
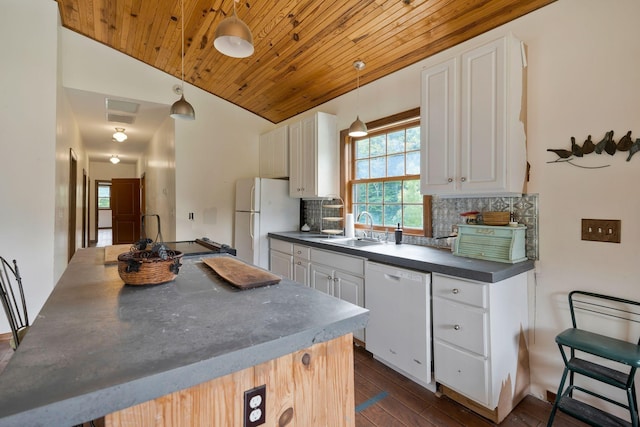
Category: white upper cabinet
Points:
column 472, row 122
column 274, row 153
column 313, row 156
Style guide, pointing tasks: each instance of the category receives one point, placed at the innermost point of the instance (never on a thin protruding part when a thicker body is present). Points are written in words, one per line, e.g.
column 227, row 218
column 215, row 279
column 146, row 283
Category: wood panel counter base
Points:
column 309, row 387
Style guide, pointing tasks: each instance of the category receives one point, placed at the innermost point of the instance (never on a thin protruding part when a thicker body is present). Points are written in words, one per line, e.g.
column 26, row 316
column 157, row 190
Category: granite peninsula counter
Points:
column 98, row 347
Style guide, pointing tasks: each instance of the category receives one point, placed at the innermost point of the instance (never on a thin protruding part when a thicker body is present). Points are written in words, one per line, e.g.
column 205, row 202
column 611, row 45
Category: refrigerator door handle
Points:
column 251, row 230
column 253, row 201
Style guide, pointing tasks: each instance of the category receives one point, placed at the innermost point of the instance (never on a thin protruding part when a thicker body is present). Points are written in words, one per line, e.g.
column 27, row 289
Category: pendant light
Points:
column 114, row 159
column 233, row 37
column 358, row 128
column 181, row 109
column 120, row 136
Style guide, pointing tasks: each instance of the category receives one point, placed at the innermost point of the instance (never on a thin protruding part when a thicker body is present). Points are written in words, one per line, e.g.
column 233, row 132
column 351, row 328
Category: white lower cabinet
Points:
column 399, row 328
column 480, row 343
column 339, row 275
column 301, row 264
column 281, row 258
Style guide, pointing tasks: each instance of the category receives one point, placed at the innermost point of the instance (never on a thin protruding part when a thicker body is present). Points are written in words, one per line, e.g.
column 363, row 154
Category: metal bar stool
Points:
column 624, row 355
column 13, row 302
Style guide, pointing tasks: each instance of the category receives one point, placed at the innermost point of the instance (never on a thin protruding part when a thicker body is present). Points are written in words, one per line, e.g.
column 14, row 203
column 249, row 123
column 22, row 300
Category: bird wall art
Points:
column 607, row 144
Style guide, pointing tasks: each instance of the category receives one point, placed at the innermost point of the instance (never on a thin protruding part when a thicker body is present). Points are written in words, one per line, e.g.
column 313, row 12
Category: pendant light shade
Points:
column 358, row 128
column 233, row 37
column 114, row 159
column 181, row 109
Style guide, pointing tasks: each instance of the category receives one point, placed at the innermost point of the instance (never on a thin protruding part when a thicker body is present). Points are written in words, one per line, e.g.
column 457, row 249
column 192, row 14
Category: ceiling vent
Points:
column 120, row 118
column 122, row 106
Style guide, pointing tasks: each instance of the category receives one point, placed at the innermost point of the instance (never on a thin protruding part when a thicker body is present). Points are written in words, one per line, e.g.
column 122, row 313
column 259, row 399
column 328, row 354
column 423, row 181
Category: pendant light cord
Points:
column 182, row 44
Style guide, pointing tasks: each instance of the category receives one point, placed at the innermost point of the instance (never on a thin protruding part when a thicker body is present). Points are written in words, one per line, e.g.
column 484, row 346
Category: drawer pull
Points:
column 456, row 327
column 299, row 252
column 455, row 291
column 417, row 361
column 299, row 263
column 392, row 352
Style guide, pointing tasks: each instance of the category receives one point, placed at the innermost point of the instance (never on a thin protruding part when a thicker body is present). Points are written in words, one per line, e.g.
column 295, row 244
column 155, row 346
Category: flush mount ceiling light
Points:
column 114, row 159
column 358, row 128
column 120, row 135
column 181, row 109
column 233, row 37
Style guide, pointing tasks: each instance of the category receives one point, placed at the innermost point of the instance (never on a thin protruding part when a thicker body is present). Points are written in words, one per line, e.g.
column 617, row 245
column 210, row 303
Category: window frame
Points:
column 395, row 121
column 103, row 184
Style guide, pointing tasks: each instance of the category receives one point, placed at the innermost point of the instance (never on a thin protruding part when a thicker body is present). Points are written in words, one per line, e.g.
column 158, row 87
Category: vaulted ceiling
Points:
column 304, row 49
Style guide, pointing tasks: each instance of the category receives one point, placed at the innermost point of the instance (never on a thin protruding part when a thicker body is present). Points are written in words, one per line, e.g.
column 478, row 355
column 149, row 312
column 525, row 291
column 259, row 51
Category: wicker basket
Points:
column 149, row 267
column 496, row 218
column 153, row 266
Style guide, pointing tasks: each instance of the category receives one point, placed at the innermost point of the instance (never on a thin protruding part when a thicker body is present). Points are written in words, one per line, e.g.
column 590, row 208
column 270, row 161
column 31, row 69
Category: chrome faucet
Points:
column 368, row 215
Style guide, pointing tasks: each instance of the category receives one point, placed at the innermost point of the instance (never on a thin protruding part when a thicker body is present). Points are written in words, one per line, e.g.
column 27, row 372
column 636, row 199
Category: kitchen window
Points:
column 383, row 175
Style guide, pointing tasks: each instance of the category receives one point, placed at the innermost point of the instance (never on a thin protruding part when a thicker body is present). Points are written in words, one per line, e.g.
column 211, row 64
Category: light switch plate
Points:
column 601, row 230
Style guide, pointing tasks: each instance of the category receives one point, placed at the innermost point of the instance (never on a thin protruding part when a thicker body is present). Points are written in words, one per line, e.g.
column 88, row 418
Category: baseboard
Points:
column 6, row 336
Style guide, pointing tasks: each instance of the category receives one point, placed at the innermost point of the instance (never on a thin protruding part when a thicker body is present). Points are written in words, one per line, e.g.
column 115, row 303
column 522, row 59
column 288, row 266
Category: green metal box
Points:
column 492, row 243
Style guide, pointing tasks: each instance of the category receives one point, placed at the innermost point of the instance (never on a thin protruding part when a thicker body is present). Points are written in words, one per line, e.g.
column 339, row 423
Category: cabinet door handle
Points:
column 329, row 278
column 455, row 291
column 463, row 179
column 450, row 180
column 456, row 327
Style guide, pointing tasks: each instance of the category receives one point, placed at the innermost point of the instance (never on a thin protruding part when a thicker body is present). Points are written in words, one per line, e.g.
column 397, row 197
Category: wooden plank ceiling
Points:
column 304, row 49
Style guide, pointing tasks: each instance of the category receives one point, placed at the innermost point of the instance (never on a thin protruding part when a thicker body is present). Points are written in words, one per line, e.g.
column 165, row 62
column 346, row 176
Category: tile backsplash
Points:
column 446, row 213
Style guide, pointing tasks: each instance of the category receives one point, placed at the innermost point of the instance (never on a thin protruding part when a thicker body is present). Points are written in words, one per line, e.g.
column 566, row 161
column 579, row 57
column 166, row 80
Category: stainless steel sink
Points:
column 353, row 242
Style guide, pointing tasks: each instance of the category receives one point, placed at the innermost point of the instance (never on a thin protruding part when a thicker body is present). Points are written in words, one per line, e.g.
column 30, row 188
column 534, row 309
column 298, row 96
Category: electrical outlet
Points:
column 601, row 230
column 254, row 406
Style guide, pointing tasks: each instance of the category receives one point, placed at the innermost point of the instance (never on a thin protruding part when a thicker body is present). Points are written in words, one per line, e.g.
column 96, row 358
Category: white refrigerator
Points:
column 262, row 205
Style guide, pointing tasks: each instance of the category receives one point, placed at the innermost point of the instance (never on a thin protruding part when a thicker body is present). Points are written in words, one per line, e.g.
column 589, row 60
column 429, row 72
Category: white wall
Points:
column 28, row 144
column 160, row 177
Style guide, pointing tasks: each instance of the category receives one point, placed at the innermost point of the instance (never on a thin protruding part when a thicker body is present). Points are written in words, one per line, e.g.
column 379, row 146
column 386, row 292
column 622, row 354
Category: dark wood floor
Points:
column 397, row 401
column 386, row 399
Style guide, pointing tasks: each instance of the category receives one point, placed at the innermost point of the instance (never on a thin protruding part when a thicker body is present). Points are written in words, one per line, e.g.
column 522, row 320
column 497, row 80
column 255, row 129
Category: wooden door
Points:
column 125, row 210
column 73, row 181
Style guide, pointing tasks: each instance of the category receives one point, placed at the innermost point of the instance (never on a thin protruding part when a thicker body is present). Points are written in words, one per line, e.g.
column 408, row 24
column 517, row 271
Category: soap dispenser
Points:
column 398, row 234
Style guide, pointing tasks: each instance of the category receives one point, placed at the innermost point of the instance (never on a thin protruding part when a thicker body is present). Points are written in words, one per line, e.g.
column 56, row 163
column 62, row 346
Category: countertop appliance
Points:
column 399, row 329
column 262, row 205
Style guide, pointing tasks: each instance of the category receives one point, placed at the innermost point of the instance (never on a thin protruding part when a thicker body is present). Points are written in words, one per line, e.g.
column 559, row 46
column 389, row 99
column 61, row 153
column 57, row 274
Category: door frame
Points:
column 73, row 183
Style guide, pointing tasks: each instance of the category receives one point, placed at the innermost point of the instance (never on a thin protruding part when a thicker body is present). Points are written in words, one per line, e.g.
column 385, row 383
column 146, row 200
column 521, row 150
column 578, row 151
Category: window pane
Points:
column 104, row 203
column 360, row 193
column 362, row 148
column 374, row 192
column 395, row 165
column 362, row 169
column 104, row 191
column 378, row 146
column 413, row 138
column 411, row 191
column 376, row 213
column 392, row 215
column 413, row 163
column 393, row 192
column 357, row 209
column 395, row 142
column 413, row 216
column 378, row 167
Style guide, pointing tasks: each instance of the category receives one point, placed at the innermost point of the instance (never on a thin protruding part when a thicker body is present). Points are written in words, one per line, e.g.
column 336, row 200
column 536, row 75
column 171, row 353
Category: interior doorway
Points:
column 73, row 182
column 103, row 224
column 125, row 214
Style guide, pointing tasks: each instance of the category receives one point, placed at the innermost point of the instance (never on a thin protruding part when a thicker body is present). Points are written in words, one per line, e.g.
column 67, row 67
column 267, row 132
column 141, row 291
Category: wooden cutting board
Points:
column 240, row 274
column 111, row 253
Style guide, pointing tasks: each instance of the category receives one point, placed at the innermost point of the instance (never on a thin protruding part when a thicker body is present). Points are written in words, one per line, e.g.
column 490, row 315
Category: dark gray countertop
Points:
column 98, row 346
column 415, row 257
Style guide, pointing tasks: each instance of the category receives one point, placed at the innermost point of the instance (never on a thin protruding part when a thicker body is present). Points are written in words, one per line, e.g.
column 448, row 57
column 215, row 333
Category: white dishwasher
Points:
column 399, row 329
